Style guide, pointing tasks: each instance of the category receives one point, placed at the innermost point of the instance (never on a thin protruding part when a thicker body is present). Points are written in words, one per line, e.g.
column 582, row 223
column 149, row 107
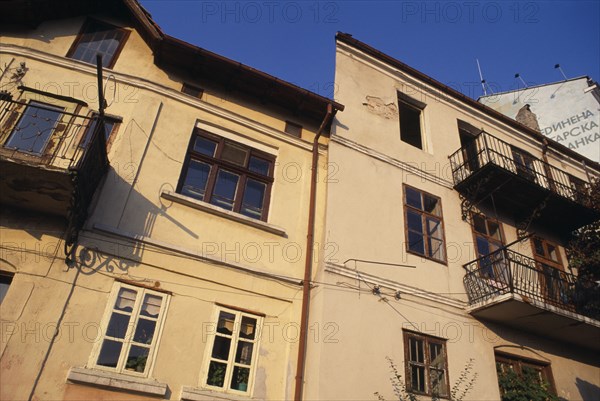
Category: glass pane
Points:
column 416, row 350
column 109, row 354
column 221, row 348
column 108, row 127
column 417, row 378
column 552, row 252
column 539, row 247
column 137, row 358
column 244, row 353
column 254, row 195
column 415, row 243
column 434, row 228
column 216, row 374
column 259, row 166
column 196, row 180
column 225, row 188
column 239, row 379
column 144, row 332
column 117, row 326
column 248, row 328
column 494, row 230
column 234, row 154
column 126, row 299
column 479, row 224
column 34, row 128
column 413, row 198
column 414, row 221
column 436, row 353
column 432, row 205
column 205, row 146
column 438, row 381
column 436, row 249
column 151, row 305
column 226, row 321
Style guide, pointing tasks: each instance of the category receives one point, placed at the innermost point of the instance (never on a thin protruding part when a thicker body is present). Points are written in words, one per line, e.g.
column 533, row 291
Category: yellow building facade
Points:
column 158, row 251
column 450, row 222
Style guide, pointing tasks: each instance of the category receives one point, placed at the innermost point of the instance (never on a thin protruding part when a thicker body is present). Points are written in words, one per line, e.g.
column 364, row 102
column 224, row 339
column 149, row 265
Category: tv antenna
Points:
column 517, row 75
column 557, row 66
column 481, row 78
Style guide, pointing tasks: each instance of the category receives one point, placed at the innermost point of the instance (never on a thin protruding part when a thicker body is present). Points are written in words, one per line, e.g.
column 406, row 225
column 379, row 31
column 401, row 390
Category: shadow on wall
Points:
column 587, row 390
column 116, row 254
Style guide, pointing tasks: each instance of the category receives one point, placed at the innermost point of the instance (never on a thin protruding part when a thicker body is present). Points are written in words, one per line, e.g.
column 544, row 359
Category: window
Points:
column 233, row 353
column 5, row 280
column 488, row 239
column 579, row 189
column 228, row 175
column 426, row 364
column 131, row 330
column 110, row 127
column 553, row 281
column 98, row 37
column 424, row 225
column 524, row 163
column 34, row 129
column 192, row 90
column 409, row 111
column 293, row 129
column 515, row 373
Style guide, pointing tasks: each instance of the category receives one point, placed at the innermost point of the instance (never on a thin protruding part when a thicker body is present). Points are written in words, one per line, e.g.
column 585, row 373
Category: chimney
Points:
column 527, row 117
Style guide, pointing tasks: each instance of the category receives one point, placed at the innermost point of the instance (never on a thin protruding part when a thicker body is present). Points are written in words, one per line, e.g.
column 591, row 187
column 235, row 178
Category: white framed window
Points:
column 131, row 330
column 231, row 358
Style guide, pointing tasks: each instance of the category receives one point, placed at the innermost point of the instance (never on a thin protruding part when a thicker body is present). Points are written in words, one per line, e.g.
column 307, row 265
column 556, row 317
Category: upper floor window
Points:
column 525, row 164
column 293, row 129
column 234, row 349
column 426, row 364
column 5, row 280
column 110, row 127
column 424, row 224
column 192, row 90
column 130, row 330
column 98, row 37
column 410, row 111
column 227, row 174
column 35, row 127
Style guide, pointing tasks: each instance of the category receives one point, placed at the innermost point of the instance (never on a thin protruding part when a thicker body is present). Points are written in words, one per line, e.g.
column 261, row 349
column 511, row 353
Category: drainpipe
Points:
column 309, row 255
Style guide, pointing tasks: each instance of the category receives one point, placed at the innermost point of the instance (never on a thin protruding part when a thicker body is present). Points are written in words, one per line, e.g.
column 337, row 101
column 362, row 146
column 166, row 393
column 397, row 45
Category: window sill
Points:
column 217, row 211
column 117, row 381
column 198, row 394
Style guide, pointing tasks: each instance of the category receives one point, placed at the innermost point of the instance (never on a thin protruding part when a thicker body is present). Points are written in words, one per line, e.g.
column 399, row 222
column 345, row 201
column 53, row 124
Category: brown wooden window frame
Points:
column 192, row 90
column 498, row 267
column 217, row 164
column 293, row 129
column 116, row 122
column 424, row 231
column 426, row 364
column 517, row 363
column 88, row 30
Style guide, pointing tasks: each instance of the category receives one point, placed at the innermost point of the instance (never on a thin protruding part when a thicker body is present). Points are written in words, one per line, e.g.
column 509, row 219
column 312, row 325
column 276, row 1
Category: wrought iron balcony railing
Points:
column 486, row 149
column 508, row 272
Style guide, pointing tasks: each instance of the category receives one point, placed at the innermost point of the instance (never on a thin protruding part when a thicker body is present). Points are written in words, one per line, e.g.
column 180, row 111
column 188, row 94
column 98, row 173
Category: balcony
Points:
column 51, row 161
column 513, row 289
column 490, row 172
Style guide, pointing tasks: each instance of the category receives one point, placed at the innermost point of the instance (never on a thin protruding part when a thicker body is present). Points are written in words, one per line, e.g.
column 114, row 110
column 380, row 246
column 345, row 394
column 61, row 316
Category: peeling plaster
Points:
column 378, row 107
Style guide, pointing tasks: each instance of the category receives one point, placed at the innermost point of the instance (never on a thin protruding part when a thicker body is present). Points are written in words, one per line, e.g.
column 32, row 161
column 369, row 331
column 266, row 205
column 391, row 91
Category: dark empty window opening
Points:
column 410, row 121
column 293, row 129
column 192, row 90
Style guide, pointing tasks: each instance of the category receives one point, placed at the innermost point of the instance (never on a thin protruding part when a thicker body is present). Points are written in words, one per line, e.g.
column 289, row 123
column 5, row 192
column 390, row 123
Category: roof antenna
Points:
column 517, row 75
column 481, row 78
column 557, row 66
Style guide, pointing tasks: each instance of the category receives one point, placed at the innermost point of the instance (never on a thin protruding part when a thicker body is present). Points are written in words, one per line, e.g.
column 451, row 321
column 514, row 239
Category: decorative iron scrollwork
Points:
column 523, row 226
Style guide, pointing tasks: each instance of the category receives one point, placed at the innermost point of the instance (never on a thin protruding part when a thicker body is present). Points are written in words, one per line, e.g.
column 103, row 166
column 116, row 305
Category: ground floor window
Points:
column 520, row 377
column 426, row 364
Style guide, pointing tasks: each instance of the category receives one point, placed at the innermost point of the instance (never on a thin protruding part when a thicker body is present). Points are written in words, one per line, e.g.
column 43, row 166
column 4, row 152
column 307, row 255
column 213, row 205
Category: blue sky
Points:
column 294, row 40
